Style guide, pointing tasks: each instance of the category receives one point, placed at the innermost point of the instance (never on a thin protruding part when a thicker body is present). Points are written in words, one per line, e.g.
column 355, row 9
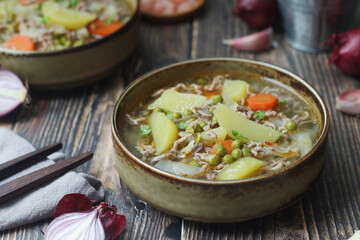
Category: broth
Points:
column 222, row 128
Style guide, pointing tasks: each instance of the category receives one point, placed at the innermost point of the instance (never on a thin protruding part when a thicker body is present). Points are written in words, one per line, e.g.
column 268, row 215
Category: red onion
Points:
column 12, row 92
column 258, row 41
column 75, row 218
column 346, row 51
column 257, row 13
column 349, row 101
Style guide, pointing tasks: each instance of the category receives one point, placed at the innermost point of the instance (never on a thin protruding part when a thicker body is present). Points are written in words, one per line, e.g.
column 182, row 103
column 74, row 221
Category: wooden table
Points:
column 80, row 118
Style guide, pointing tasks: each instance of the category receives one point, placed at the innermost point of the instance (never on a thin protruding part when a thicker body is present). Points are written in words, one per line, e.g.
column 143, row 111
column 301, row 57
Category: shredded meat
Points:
column 197, row 148
column 216, row 83
column 182, row 139
column 203, row 111
column 168, row 156
column 211, row 134
column 134, row 120
column 145, row 150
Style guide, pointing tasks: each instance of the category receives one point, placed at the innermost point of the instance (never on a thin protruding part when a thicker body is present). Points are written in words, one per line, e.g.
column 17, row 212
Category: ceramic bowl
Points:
column 217, row 201
column 78, row 65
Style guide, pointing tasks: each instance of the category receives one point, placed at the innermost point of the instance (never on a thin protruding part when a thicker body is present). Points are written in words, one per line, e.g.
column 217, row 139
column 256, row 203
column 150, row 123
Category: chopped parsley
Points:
column 44, row 19
column 259, row 114
column 281, row 133
column 144, row 130
column 109, row 20
column 170, row 116
column 237, row 135
column 73, row 3
column 182, row 125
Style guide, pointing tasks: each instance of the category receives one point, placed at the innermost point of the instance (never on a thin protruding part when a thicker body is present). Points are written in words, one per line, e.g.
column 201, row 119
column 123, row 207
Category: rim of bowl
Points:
column 324, row 110
column 78, row 48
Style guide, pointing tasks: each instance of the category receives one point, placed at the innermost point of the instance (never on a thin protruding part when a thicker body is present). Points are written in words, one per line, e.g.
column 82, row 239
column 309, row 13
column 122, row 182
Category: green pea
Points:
column 246, row 152
column 191, row 120
column 201, row 81
column 211, row 110
column 37, row 6
column 236, row 153
column 59, row 47
column 189, row 129
column 198, row 137
column 11, row 17
column 177, row 115
column 217, row 98
column 213, row 159
column 194, row 163
column 291, row 126
column 57, row 42
column 220, row 150
column 67, row 44
column 236, row 144
column 157, row 109
column 78, row 43
column 227, row 159
column 188, row 112
column 213, row 119
column 203, row 124
column 63, row 39
column 197, row 127
column 57, row 35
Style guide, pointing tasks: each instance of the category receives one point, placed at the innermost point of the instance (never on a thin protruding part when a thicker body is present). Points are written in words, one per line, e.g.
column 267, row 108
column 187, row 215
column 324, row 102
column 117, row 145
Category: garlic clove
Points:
column 12, row 92
column 349, row 101
column 258, row 41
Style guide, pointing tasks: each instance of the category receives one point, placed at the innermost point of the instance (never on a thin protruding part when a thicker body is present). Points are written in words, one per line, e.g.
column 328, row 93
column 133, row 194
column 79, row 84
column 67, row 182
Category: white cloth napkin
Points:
column 41, row 202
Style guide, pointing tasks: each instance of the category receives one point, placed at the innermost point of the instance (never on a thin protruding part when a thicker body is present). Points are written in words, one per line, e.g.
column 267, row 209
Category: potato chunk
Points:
column 68, row 18
column 242, row 168
column 177, row 102
column 164, row 131
column 236, row 89
column 207, row 138
column 231, row 120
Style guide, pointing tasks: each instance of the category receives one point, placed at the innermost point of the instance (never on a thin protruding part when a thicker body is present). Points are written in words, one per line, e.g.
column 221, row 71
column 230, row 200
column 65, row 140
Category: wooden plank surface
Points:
column 80, row 118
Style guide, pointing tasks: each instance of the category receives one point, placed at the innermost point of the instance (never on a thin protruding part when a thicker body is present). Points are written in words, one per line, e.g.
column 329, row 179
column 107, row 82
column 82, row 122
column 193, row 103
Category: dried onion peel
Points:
column 75, row 218
column 258, row 41
column 346, row 51
column 258, row 13
column 349, row 101
column 12, row 92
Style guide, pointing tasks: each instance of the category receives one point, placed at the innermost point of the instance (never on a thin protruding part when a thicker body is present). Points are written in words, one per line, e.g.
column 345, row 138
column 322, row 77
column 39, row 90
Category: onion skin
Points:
column 258, row 13
column 258, row 41
column 346, row 51
column 76, row 218
column 12, row 92
column 349, row 102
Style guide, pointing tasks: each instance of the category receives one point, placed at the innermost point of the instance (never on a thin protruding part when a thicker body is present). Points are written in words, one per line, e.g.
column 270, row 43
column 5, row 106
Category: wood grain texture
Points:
column 80, row 118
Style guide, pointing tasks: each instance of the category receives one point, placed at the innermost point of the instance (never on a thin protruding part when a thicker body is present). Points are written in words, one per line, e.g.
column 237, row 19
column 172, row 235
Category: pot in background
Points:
column 77, row 65
column 308, row 24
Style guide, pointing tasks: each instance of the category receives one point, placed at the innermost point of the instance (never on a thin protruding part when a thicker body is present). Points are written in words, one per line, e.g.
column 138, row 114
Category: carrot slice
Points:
column 227, row 145
column 261, row 101
column 20, row 42
column 99, row 27
column 29, row 2
column 208, row 95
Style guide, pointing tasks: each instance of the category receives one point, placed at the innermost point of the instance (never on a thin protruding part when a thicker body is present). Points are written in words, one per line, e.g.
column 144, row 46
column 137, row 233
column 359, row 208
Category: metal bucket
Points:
column 309, row 23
